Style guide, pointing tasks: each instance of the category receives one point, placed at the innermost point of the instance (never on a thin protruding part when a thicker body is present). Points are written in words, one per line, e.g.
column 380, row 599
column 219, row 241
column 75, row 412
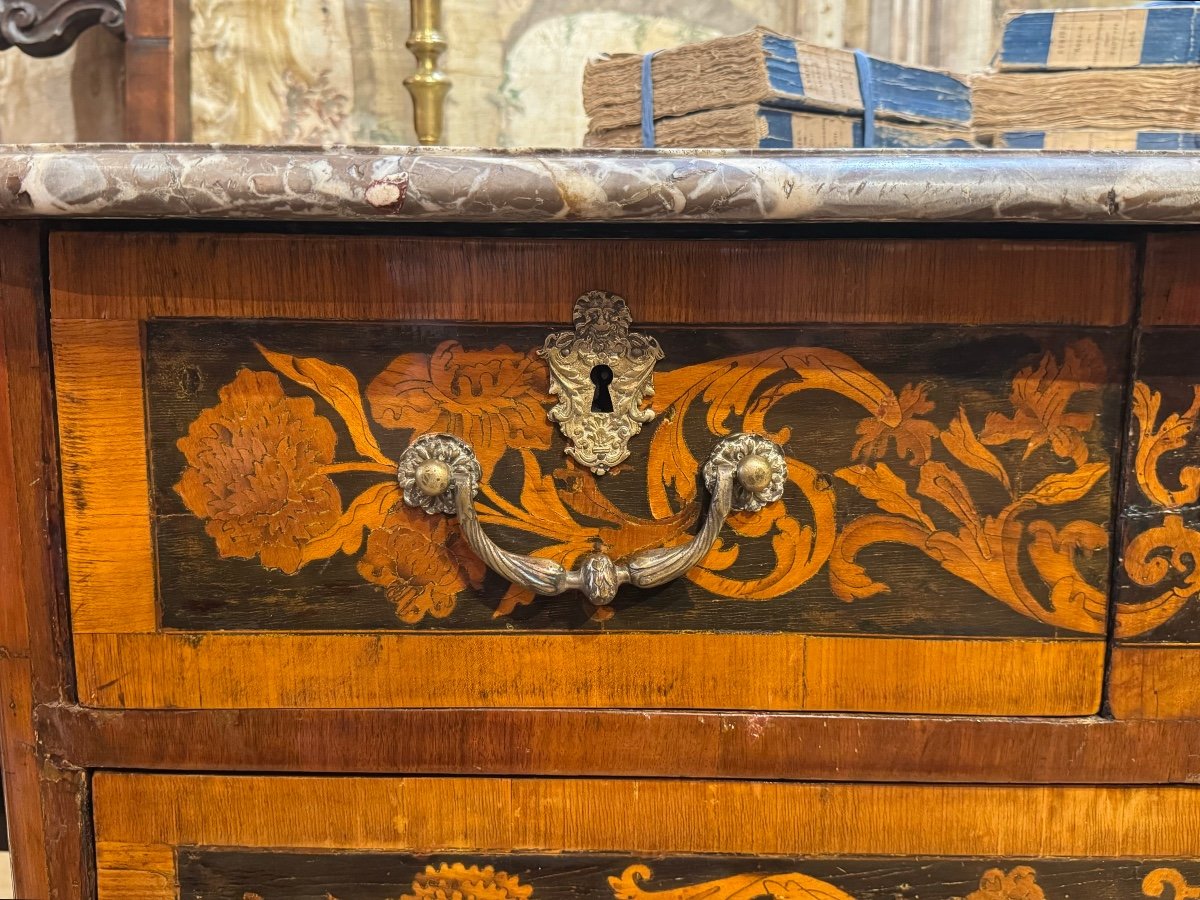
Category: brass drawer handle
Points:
column 440, row 474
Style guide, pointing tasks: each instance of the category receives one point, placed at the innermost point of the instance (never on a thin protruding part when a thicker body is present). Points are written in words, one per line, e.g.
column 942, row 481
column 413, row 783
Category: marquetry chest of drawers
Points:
column 489, row 526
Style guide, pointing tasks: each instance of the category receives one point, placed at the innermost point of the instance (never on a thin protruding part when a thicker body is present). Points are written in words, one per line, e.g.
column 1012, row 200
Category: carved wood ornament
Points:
column 49, row 27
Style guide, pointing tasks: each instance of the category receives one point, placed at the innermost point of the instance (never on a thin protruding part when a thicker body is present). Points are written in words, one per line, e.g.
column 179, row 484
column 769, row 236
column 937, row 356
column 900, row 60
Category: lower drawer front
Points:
column 254, row 837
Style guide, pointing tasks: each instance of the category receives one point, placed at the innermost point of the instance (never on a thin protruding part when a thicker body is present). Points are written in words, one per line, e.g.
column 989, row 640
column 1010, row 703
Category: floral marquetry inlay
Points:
column 784, row 886
column 733, row 878
column 985, row 492
column 1161, row 550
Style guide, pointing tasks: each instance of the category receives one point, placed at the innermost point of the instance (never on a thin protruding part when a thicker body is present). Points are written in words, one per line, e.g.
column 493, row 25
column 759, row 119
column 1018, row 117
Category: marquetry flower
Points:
column 255, row 472
column 492, row 399
column 896, row 420
column 458, row 882
column 1039, row 399
column 1018, row 884
column 422, row 563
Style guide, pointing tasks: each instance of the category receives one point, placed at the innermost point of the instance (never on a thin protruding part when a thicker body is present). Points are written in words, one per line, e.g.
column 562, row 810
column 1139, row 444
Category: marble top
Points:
column 469, row 185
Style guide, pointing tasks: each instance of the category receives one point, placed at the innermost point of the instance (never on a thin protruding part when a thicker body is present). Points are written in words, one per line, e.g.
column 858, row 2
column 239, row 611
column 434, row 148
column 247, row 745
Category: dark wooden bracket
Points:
column 48, row 27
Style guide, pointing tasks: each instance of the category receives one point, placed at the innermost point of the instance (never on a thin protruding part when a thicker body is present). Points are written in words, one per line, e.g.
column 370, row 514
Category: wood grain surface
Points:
column 1155, row 681
column 157, row 69
column 762, row 282
column 640, row 816
column 221, row 670
column 629, row 743
column 101, row 420
column 45, row 819
column 1171, row 280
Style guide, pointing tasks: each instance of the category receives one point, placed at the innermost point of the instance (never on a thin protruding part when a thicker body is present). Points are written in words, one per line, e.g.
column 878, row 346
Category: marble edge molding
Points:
column 470, row 185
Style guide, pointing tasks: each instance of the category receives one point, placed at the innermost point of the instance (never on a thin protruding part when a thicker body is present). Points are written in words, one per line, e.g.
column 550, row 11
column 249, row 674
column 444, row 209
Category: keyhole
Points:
column 602, row 377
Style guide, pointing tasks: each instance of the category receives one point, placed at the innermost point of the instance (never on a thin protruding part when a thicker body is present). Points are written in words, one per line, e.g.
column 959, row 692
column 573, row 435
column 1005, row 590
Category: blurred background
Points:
column 316, row 71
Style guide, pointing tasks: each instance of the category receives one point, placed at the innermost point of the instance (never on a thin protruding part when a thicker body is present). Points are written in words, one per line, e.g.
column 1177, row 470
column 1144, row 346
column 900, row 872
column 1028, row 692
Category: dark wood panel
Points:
column 635, row 743
column 46, row 823
column 374, row 876
column 971, row 281
column 945, row 481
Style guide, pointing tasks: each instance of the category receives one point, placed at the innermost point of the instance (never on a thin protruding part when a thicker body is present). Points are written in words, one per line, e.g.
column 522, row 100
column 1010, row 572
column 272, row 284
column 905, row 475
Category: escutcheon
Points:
column 601, row 373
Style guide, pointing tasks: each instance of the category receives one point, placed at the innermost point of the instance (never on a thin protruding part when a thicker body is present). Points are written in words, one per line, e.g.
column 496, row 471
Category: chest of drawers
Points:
column 506, row 525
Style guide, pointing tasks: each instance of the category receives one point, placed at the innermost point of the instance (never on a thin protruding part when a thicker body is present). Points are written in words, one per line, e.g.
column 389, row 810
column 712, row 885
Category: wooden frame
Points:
column 46, row 802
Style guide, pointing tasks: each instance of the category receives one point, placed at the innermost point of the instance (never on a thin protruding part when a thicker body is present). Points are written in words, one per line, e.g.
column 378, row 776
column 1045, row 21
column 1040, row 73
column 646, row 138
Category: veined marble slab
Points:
column 470, row 185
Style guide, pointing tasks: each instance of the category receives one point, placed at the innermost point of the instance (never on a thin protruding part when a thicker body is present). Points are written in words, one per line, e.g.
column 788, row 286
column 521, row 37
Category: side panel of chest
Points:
column 232, row 410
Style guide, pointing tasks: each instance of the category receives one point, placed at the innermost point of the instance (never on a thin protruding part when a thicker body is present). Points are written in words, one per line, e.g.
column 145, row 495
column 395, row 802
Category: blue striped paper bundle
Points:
column 1098, row 140
column 765, row 127
column 1166, row 34
column 763, row 68
column 1092, row 79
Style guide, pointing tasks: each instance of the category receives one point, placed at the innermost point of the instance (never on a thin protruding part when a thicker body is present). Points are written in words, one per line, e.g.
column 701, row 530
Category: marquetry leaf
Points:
column 847, row 579
column 942, row 484
column 1054, row 552
column 790, row 886
column 962, row 443
column 887, row 489
column 368, row 510
column 1153, row 442
column 339, row 388
column 1067, row 487
column 898, row 420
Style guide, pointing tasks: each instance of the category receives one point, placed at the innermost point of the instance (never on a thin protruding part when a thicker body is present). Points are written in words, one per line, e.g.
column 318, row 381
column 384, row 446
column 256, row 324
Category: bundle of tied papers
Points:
column 762, row 89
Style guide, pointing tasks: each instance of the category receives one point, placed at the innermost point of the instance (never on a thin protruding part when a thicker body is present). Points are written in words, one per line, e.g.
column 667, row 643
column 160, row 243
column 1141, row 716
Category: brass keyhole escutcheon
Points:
column 602, row 374
column 602, row 377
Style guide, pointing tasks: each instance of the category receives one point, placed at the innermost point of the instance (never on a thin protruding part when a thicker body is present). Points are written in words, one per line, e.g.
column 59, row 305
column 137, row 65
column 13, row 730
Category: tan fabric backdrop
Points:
column 312, row 71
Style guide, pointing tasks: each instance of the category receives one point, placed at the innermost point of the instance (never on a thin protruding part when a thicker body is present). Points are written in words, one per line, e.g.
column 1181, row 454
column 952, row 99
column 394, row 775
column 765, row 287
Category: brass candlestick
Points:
column 429, row 85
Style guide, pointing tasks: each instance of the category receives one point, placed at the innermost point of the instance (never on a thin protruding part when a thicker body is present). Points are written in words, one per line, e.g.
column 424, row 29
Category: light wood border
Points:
column 214, row 670
column 102, row 435
column 140, row 816
column 1155, row 681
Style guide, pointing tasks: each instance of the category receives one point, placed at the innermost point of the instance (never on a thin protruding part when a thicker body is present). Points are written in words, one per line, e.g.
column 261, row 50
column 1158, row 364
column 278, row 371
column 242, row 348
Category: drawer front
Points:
column 162, row 836
column 232, row 411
